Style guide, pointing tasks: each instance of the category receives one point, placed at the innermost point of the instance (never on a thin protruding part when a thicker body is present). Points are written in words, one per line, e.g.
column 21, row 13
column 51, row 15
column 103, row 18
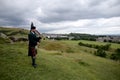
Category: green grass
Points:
column 17, row 32
column 53, row 64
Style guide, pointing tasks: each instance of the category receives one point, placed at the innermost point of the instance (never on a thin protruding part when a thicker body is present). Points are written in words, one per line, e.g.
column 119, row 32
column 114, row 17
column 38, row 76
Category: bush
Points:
column 100, row 52
column 116, row 55
column 104, row 47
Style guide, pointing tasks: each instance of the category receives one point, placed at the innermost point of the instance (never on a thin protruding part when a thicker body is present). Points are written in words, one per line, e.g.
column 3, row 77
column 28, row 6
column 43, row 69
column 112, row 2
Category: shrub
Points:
column 106, row 47
column 116, row 55
column 100, row 52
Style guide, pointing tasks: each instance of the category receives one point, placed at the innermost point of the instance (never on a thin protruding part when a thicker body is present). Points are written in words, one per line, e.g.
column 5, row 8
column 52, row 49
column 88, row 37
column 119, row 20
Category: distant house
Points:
column 57, row 36
column 109, row 39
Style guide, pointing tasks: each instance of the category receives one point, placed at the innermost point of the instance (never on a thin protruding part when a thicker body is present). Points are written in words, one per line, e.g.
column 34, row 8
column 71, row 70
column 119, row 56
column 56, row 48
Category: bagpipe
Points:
column 38, row 35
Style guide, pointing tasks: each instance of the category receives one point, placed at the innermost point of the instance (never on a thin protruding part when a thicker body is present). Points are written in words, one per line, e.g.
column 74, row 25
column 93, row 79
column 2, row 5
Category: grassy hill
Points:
column 54, row 64
column 16, row 32
column 57, row 60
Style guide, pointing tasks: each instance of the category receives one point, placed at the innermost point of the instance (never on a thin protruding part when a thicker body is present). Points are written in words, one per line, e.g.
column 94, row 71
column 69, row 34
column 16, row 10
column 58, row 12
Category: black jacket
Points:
column 33, row 39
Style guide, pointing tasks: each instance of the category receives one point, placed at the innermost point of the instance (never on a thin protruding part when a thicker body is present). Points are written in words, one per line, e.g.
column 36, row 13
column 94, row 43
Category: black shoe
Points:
column 34, row 65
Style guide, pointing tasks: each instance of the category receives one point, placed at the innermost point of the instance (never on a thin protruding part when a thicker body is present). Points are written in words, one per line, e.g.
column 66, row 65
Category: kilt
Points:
column 32, row 51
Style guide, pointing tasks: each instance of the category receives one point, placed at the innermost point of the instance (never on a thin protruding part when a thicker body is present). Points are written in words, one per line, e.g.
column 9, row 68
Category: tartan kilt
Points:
column 32, row 51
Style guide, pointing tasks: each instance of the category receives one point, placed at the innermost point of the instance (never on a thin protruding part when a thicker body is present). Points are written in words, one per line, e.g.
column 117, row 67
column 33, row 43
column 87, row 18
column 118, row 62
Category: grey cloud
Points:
column 75, row 10
column 58, row 10
column 46, row 12
column 15, row 13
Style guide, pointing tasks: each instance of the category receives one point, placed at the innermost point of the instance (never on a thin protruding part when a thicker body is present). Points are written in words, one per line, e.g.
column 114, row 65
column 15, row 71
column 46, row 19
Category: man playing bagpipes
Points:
column 33, row 42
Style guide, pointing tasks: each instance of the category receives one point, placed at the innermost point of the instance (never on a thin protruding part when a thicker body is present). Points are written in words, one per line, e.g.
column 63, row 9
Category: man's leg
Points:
column 33, row 61
column 34, row 52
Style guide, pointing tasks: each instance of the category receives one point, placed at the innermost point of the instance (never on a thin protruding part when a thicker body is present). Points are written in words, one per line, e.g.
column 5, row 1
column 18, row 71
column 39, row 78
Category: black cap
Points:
column 32, row 26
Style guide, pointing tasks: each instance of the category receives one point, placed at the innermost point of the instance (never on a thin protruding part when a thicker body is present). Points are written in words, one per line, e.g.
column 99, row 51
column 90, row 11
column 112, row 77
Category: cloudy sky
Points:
column 62, row 16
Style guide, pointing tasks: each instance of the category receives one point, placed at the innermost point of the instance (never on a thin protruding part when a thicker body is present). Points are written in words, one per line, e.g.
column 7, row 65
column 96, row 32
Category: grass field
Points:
column 57, row 60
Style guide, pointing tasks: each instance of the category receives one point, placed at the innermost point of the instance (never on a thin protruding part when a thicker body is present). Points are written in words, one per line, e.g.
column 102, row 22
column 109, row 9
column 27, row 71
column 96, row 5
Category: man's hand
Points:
column 39, row 38
column 38, row 43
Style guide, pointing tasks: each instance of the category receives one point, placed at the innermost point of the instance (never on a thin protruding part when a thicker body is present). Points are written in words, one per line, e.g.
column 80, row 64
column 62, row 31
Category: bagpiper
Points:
column 33, row 41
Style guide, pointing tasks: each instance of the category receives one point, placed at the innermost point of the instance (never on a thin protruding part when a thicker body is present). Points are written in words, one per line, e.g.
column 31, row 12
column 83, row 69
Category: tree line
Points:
column 78, row 36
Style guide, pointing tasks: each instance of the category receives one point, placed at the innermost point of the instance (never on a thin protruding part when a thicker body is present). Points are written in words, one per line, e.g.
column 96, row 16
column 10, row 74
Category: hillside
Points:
column 14, row 34
column 54, row 65
column 17, row 32
column 57, row 60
